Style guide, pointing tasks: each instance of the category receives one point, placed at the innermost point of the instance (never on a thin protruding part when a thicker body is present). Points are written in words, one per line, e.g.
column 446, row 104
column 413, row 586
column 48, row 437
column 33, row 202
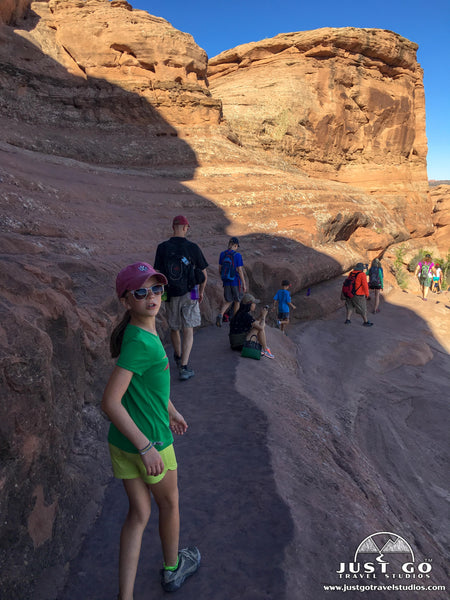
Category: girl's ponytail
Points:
column 115, row 342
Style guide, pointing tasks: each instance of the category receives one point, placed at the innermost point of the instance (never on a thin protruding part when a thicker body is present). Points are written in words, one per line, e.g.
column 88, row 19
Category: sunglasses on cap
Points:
column 142, row 293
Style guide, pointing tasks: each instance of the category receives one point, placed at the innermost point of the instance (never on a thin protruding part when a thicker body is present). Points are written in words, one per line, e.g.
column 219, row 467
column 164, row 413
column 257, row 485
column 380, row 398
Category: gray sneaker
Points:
column 186, row 373
column 188, row 563
column 219, row 320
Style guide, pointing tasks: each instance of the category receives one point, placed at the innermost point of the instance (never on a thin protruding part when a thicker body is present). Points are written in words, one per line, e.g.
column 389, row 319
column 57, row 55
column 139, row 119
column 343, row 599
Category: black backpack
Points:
column 179, row 271
column 374, row 276
column 182, row 275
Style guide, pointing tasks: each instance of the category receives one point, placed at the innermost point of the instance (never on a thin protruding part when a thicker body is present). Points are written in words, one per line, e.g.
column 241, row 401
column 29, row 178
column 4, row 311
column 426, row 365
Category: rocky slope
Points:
column 107, row 129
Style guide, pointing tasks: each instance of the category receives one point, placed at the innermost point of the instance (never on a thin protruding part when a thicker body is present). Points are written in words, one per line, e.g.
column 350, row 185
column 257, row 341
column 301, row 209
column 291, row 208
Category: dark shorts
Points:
column 232, row 293
column 373, row 286
column 237, row 340
column 283, row 316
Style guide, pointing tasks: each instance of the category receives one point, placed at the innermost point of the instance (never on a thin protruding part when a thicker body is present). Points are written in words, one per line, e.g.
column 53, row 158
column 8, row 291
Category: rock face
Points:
column 440, row 196
column 137, row 74
column 346, row 104
column 12, row 10
column 127, row 94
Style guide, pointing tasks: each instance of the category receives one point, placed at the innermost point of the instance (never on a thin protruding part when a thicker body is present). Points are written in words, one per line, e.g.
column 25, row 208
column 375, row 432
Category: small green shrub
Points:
column 399, row 271
column 416, row 259
column 444, row 264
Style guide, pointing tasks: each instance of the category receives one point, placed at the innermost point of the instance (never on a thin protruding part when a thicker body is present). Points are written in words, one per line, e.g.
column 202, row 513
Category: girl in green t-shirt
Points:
column 136, row 399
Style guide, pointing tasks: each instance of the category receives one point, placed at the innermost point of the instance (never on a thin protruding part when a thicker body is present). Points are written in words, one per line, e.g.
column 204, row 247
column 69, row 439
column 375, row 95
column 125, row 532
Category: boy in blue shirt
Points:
column 282, row 304
column 231, row 271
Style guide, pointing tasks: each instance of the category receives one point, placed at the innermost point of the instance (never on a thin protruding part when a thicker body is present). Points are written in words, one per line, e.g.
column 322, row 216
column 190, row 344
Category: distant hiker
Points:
column 136, row 399
column 437, row 278
column 282, row 305
column 375, row 274
column 243, row 325
column 355, row 292
column 424, row 271
column 184, row 265
column 231, row 271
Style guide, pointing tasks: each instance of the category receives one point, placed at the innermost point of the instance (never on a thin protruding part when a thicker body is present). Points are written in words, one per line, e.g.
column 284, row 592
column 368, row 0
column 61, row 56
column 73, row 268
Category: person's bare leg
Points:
column 377, row 300
column 165, row 494
column 224, row 308
column 131, row 535
column 175, row 338
column 186, row 346
column 261, row 336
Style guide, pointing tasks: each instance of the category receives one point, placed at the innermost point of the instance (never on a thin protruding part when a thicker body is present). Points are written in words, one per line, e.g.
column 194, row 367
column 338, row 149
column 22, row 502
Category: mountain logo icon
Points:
column 384, row 542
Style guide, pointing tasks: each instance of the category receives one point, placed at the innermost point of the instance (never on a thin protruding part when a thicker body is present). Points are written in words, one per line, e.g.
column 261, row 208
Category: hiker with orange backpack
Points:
column 355, row 291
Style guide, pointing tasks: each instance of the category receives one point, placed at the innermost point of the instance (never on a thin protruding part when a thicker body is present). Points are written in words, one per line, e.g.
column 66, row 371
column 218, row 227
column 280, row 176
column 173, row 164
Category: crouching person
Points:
column 244, row 325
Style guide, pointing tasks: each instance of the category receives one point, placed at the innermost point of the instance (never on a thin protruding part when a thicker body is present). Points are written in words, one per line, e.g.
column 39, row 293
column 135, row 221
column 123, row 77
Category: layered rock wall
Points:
column 344, row 104
column 12, row 10
column 137, row 80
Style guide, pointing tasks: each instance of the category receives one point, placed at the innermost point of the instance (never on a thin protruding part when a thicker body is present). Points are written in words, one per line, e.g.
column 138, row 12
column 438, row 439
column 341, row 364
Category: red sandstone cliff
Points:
column 12, row 10
column 127, row 95
column 344, row 104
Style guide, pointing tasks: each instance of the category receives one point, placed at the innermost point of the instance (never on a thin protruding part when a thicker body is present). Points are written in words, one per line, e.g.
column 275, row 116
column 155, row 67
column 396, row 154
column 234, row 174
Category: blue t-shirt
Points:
column 238, row 262
column 283, row 297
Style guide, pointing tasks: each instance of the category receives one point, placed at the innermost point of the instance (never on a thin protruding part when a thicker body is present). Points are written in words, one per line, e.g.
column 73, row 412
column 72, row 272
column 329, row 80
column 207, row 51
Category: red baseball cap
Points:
column 134, row 276
column 180, row 220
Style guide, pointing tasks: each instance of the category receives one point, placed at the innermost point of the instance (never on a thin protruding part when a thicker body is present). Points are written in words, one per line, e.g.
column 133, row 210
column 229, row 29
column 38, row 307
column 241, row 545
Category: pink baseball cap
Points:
column 180, row 220
column 134, row 276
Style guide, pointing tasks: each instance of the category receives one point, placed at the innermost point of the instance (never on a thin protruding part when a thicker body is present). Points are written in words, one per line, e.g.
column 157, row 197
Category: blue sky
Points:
column 218, row 26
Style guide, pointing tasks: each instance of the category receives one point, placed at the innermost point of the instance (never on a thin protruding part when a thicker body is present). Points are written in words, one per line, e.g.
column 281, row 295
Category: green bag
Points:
column 252, row 349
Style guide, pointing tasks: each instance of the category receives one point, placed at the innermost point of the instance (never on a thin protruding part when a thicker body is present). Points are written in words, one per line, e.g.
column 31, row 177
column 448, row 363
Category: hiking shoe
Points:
column 367, row 324
column 347, row 321
column 188, row 563
column 268, row 353
column 219, row 320
column 186, row 373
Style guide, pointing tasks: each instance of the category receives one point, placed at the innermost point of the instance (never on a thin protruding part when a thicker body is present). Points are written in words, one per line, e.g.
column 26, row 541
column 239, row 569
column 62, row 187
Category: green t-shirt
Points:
column 147, row 396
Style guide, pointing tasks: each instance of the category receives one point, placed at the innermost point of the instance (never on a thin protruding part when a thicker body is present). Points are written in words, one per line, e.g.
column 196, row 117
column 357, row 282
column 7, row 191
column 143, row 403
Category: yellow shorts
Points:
column 127, row 465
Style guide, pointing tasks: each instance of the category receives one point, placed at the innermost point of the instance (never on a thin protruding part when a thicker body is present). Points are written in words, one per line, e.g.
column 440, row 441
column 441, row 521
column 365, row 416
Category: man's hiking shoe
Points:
column 186, row 373
column 268, row 353
column 347, row 321
column 188, row 563
column 219, row 320
column 367, row 324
